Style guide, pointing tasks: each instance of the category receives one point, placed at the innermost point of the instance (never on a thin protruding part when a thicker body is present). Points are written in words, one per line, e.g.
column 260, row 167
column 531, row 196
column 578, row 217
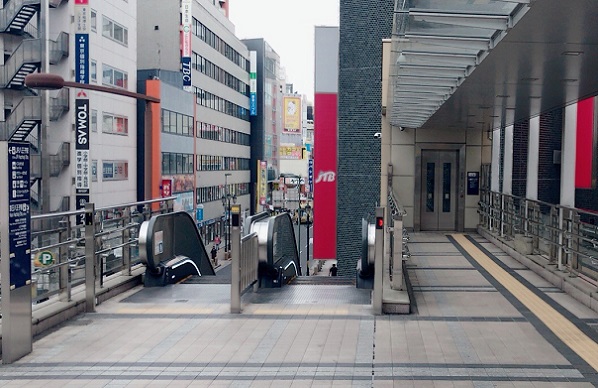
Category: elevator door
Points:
column 439, row 190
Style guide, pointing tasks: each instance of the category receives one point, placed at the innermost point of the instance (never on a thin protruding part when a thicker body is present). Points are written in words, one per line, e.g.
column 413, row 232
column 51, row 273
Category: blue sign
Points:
column 19, row 215
column 82, row 58
column 310, row 172
column 186, row 70
column 199, row 214
column 253, row 104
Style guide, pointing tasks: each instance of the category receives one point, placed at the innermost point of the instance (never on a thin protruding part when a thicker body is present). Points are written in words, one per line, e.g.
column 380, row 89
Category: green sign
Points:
column 46, row 258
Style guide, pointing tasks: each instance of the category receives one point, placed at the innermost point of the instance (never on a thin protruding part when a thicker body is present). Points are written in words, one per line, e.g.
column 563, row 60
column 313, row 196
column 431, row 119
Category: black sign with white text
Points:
column 82, row 159
column 19, row 214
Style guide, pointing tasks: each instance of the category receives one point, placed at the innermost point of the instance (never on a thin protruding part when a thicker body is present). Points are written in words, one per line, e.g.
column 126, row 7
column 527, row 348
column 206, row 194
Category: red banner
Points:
column 584, row 154
column 325, row 170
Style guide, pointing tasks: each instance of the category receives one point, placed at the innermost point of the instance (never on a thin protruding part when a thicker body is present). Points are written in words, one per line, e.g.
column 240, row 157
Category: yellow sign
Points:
column 292, row 114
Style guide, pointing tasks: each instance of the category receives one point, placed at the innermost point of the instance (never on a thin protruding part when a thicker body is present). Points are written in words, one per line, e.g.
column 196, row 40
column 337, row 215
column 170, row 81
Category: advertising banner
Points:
column 253, row 83
column 291, row 121
column 324, row 175
column 82, row 28
column 290, row 152
column 186, row 52
column 262, row 182
column 82, row 158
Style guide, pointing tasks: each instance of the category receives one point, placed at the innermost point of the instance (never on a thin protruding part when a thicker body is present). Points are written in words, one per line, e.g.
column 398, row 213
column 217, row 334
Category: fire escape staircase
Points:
column 16, row 14
column 25, row 60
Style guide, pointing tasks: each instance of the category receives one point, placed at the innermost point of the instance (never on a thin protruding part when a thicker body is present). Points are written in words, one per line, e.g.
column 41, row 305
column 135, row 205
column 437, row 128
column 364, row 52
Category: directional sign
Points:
column 44, row 259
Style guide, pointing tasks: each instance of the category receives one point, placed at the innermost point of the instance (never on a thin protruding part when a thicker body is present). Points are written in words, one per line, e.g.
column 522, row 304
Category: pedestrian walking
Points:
column 333, row 270
column 214, row 252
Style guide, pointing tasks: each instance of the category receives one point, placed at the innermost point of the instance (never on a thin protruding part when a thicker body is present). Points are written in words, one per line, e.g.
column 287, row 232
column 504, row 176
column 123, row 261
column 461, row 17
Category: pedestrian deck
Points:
column 481, row 319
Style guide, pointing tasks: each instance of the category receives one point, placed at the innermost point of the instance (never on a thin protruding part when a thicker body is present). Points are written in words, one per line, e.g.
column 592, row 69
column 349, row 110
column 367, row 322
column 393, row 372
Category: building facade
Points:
column 205, row 129
column 103, row 54
column 266, row 122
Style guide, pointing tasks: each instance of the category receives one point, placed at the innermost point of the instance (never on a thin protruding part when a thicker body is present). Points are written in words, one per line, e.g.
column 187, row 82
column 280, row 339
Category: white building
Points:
column 218, row 95
column 47, row 119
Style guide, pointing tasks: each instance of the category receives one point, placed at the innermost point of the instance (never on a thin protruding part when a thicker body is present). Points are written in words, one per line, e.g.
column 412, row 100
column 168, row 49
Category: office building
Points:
column 203, row 71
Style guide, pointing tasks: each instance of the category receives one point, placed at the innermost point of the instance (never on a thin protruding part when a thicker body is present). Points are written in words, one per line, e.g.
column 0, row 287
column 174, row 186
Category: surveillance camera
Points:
column 377, row 135
column 401, row 129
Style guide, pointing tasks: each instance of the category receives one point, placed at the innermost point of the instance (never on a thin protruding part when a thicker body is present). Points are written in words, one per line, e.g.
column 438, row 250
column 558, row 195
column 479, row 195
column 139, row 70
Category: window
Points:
column 94, row 120
column 115, row 170
column 93, row 70
column 94, row 21
column 94, row 170
column 115, row 124
column 115, row 31
column 114, row 77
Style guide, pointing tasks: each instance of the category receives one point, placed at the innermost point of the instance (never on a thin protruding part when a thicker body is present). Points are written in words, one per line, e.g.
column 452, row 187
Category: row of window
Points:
column 199, row 63
column 177, row 123
column 212, row 101
column 179, row 163
column 215, row 193
column 112, row 170
column 215, row 132
column 221, row 163
column 111, row 123
column 110, row 29
column 205, row 34
column 175, row 163
column 110, row 75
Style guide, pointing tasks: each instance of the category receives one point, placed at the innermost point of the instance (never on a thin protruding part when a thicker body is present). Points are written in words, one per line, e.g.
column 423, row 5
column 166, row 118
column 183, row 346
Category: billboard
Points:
column 186, row 24
column 262, row 183
column 253, row 83
column 290, row 152
column 324, row 175
column 291, row 121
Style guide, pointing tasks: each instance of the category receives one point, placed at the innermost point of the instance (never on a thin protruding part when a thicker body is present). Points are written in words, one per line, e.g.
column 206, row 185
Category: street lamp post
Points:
column 226, row 203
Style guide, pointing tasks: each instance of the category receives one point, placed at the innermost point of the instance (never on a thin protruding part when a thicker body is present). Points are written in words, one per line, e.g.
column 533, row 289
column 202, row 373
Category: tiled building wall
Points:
column 363, row 25
column 520, row 153
column 549, row 172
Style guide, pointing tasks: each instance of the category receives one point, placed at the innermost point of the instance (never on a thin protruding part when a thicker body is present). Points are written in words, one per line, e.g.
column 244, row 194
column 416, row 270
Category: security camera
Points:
column 377, row 135
column 401, row 129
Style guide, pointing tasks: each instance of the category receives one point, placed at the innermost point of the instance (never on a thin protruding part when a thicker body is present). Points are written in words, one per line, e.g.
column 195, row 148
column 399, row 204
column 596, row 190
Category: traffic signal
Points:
column 379, row 222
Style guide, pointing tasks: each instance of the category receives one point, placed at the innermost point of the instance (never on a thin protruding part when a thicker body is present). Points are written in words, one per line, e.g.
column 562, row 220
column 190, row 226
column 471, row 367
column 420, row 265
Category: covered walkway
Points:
column 480, row 319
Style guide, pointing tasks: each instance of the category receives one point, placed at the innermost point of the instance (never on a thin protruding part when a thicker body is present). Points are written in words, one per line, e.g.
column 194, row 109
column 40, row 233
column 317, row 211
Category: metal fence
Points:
column 59, row 243
column 566, row 237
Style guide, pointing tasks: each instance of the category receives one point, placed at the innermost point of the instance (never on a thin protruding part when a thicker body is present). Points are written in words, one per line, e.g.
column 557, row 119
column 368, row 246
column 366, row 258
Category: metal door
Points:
column 439, row 190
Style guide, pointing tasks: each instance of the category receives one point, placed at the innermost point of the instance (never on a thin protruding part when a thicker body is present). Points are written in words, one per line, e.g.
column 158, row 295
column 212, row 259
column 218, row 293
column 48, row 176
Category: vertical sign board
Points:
column 186, row 23
column 82, row 159
column 15, row 249
column 253, row 83
column 291, row 115
column 19, row 218
column 82, row 28
column 310, row 172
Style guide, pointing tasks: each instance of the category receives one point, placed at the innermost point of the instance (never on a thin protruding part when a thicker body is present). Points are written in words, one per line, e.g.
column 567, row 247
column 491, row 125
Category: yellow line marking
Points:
column 584, row 346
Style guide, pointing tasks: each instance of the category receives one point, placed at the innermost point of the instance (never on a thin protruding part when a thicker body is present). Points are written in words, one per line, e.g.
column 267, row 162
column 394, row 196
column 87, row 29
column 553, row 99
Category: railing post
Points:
column 235, row 285
column 126, row 237
column 560, row 240
column 378, row 263
column 90, row 258
column 63, row 257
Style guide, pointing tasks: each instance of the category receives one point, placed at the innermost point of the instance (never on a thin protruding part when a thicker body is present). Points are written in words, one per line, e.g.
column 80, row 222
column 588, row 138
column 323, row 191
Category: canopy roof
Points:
column 489, row 63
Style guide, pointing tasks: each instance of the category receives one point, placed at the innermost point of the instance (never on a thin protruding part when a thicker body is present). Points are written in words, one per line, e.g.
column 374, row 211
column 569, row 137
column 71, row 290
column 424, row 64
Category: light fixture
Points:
column 401, row 58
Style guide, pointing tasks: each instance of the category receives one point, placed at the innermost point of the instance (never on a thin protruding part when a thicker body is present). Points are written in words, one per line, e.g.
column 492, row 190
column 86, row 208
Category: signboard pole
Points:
column 15, row 250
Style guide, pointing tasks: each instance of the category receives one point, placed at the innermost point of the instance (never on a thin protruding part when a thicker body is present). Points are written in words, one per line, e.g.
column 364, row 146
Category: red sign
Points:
column 325, row 170
column 166, row 188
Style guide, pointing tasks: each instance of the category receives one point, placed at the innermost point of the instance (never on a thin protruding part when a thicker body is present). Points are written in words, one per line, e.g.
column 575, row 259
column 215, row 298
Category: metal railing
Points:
column 248, row 261
column 58, row 246
column 565, row 237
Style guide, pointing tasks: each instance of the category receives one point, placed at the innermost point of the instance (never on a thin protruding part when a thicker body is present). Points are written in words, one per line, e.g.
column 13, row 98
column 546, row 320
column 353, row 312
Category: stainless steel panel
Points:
column 439, row 188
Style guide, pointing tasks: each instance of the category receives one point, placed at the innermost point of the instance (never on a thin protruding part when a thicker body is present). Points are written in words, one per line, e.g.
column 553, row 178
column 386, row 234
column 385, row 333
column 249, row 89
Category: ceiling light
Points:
column 572, row 53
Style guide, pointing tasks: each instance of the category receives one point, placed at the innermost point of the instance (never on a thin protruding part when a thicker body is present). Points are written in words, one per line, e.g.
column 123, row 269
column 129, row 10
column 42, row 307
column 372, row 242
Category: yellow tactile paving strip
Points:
column 580, row 343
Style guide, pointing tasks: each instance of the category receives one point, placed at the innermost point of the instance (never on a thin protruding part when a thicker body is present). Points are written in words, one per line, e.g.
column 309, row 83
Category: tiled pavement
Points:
column 468, row 330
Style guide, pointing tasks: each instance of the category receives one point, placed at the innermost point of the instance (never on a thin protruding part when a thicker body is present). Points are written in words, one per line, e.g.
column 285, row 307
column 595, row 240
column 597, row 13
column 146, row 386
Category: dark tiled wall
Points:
column 549, row 173
column 363, row 25
column 520, row 152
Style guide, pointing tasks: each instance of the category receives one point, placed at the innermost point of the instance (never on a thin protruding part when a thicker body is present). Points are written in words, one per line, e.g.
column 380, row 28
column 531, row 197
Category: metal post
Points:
column 307, row 208
column 560, row 241
column 378, row 263
column 126, row 237
column 90, row 258
column 235, row 285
